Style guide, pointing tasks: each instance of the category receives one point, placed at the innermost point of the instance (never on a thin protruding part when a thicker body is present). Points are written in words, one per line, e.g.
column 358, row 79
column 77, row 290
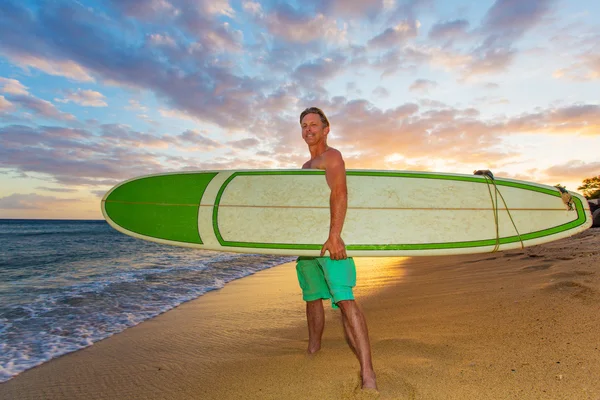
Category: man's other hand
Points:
column 336, row 247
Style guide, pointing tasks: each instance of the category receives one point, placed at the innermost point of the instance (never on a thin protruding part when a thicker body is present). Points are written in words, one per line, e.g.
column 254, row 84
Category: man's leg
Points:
column 315, row 316
column 358, row 336
column 314, row 290
column 348, row 335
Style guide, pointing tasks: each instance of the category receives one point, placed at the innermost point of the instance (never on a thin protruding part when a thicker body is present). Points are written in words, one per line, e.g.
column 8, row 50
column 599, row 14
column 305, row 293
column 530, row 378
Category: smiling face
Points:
column 314, row 130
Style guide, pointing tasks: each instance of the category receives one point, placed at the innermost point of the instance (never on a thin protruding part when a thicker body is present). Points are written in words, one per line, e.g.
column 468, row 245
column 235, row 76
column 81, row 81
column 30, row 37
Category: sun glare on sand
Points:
column 375, row 273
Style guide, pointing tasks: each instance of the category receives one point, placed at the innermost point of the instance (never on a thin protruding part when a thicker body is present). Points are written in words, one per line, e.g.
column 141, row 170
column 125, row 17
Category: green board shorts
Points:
column 324, row 278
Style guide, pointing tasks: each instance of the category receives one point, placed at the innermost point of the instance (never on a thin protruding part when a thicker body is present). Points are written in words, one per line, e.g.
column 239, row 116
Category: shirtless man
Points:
column 332, row 277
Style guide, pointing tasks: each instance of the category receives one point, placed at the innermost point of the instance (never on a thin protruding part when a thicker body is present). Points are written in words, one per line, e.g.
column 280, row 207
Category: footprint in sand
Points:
column 390, row 383
column 509, row 254
column 560, row 275
column 539, row 267
column 480, row 260
column 524, row 256
column 573, row 288
column 553, row 259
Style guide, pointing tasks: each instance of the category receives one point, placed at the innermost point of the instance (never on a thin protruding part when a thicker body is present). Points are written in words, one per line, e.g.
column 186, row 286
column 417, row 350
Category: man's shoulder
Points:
column 333, row 156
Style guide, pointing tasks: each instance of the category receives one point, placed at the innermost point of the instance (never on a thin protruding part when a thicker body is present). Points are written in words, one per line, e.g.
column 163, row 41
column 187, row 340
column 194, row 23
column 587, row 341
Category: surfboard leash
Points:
column 566, row 197
column 489, row 178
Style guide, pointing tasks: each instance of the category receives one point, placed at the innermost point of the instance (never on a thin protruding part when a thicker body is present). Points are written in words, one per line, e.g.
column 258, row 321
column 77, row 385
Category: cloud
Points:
column 40, row 108
column 449, row 29
column 400, row 10
column 228, row 163
column 493, row 42
column 485, row 58
column 587, row 68
column 381, row 92
column 574, row 169
column 508, row 20
column 437, row 131
column 504, row 23
column 89, row 98
column 592, row 61
column 144, row 9
column 57, row 190
column 123, row 136
column 200, row 19
column 72, row 156
column 488, row 59
column 286, row 23
column 66, row 68
column 222, row 38
column 411, row 57
column 399, row 60
column 5, row 105
column 197, row 17
column 395, row 35
column 428, row 103
column 135, row 105
column 243, row 143
column 253, row 8
column 112, row 153
column 157, row 39
column 318, row 71
column 581, row 119
column 353, row 8
column 351, row 87
column 98, row 193
column 197, row 139
column 31, row 201
column 13, row 86
column 218, row 7
column 186, row 56
column 422, row 85
column 491, row 100
column 409, row 135
column 190, row 79
column 19, row 138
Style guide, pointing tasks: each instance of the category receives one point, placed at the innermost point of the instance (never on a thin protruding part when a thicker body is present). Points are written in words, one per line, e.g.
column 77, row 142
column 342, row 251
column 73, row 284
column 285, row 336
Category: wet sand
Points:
column 518, row 324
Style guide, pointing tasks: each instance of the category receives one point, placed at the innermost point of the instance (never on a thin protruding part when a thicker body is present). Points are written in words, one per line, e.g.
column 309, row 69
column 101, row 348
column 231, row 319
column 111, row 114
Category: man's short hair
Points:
column 315, row 110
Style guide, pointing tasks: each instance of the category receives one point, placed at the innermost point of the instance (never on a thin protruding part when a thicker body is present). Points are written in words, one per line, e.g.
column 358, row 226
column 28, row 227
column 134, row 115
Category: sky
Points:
column 93, row 93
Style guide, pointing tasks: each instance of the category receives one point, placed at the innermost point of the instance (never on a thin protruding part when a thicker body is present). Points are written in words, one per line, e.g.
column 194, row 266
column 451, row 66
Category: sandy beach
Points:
column 509, row 325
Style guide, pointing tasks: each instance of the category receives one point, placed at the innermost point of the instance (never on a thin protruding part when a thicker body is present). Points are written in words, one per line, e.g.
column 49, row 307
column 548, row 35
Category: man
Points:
column 332, row 277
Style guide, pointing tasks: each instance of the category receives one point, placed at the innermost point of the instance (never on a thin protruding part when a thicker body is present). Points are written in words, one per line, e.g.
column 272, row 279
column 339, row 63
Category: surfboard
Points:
column 390, row 213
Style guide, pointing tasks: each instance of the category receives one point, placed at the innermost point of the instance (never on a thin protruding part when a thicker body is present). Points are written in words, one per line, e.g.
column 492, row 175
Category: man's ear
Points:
column 326, row 131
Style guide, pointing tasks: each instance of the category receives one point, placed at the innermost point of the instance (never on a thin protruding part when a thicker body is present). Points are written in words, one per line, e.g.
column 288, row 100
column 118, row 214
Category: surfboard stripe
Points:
column 349, row 207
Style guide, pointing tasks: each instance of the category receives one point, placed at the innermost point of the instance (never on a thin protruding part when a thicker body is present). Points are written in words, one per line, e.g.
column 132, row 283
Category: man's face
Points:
column 313, row 130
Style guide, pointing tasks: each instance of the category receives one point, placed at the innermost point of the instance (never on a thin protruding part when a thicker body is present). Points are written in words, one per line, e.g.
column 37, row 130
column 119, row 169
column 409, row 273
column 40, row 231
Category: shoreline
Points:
column 510, row 324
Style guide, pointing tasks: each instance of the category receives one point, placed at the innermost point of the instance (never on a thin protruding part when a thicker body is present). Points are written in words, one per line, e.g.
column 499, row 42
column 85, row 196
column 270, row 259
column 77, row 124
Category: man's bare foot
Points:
column 312, row 349
column 369, row 381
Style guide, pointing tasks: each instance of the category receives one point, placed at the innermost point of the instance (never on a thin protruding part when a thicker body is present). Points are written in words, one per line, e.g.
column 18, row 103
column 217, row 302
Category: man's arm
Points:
column 335, row 174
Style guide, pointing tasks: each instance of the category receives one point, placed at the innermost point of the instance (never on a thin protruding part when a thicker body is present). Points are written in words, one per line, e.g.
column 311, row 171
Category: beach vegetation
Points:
column 591, row 187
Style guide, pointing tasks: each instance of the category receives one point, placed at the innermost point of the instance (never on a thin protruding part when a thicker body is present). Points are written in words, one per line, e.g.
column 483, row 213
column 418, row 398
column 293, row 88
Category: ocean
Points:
column 67, row 284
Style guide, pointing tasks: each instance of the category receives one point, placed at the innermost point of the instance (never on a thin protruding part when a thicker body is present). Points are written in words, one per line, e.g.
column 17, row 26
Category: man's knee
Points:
column 314, row 303
column 347, row 305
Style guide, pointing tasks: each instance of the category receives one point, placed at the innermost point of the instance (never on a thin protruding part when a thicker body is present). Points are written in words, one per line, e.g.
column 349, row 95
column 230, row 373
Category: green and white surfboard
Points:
column 390, row 213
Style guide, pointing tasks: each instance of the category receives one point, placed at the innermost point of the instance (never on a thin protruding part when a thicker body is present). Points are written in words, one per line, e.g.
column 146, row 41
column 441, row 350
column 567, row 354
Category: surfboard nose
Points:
column 160, row 206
